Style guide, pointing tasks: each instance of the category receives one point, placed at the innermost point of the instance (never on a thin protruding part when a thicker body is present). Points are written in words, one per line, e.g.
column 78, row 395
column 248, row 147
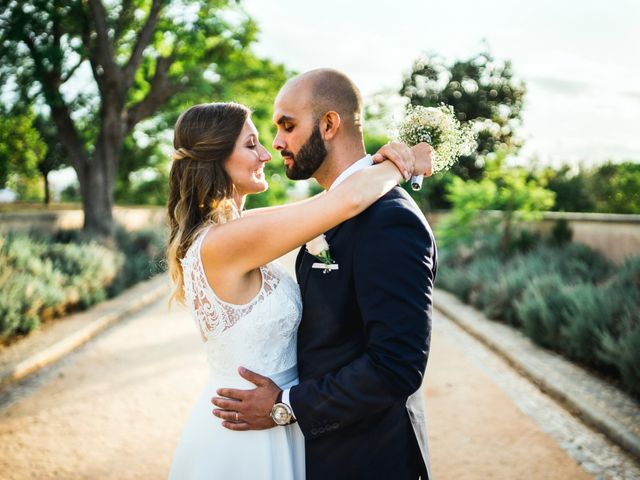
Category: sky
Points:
column 579, row 59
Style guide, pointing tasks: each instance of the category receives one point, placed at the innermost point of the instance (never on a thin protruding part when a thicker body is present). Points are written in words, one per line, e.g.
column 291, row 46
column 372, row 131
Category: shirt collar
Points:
column 364, row 162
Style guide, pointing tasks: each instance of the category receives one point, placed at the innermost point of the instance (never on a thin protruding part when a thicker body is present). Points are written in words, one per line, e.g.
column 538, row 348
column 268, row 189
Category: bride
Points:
column 245, row 306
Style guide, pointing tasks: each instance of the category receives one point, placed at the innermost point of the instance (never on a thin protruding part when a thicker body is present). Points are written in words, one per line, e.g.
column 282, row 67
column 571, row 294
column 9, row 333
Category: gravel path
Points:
column 115, row 409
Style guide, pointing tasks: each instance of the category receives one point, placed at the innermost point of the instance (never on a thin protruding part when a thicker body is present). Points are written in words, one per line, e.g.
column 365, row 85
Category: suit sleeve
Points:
column 394, row 271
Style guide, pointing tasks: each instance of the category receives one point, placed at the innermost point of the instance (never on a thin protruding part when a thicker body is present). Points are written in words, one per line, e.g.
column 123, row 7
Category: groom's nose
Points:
column 278, row 142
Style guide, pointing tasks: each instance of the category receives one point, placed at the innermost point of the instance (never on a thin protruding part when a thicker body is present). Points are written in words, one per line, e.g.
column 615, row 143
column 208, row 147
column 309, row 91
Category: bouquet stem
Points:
column 416, row 182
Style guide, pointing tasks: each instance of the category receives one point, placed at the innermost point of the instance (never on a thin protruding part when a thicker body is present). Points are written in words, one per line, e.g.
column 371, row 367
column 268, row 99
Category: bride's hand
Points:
column 416, row 160
column 424, row 154
column 399, row 154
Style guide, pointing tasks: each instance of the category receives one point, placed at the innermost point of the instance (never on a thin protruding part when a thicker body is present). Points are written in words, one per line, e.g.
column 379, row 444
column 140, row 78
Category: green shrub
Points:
column 144, row 252
column 542, row 310
column 624, row 353
column 467, row 282
column 42, row 277
column 627, row 279
column 577, row 262
column 588, row 313
column 502, row 294
column 565, row 297
column 561, row 234
column 620, row 341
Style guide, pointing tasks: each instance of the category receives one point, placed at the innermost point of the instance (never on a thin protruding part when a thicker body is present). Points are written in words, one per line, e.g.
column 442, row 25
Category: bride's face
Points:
column 245, row 165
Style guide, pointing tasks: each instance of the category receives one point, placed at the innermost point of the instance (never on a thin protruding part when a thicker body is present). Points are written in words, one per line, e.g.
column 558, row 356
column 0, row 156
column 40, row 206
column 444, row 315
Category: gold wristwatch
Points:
column 281, row 413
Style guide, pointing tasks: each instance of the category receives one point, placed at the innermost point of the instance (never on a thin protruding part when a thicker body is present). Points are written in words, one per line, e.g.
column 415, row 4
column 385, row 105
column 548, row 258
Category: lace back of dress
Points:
column 213, row 315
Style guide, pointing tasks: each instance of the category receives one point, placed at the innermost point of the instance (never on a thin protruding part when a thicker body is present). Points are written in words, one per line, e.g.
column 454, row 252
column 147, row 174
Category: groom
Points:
column 363, row 341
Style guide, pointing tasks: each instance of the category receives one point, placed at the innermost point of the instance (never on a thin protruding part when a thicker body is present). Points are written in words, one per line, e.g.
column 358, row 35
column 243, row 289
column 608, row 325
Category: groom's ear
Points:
column 329, row 125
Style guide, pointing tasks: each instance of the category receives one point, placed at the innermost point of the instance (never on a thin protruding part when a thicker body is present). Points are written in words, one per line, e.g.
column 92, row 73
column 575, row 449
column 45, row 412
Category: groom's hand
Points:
column 247, row 409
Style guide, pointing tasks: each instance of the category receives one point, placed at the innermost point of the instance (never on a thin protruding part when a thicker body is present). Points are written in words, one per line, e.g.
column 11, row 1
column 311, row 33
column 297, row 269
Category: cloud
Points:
column 559, row 85
column 632, row 95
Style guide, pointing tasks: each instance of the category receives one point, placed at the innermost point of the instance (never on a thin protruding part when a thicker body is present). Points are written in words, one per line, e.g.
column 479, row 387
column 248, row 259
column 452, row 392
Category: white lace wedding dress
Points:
column 260, row 335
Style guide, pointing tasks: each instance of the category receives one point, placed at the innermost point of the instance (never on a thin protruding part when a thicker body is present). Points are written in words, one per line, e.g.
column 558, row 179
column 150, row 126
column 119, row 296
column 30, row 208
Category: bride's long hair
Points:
column 200, row 191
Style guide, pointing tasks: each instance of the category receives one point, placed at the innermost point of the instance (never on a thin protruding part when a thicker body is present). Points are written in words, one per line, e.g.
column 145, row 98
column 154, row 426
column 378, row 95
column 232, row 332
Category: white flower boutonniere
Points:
column 319, row 248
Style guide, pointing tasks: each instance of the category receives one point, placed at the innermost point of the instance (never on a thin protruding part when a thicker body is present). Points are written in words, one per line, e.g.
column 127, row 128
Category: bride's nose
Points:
column 265, row 156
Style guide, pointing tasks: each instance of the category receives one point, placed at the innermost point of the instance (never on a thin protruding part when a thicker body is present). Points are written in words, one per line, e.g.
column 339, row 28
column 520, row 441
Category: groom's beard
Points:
column 309, row 157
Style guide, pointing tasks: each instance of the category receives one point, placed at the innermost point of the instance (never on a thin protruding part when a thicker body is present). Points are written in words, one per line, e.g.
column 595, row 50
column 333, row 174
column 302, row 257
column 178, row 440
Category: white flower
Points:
column 318, row 245
column 319, row 248
column 439, row 127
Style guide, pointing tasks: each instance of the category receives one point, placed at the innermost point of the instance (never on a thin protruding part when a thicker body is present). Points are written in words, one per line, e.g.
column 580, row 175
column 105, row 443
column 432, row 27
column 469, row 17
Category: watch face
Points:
column 281, row 415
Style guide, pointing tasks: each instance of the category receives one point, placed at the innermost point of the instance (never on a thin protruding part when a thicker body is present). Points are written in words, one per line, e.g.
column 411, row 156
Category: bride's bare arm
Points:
column 271, row 209
column 249, row 242
column 421, row 149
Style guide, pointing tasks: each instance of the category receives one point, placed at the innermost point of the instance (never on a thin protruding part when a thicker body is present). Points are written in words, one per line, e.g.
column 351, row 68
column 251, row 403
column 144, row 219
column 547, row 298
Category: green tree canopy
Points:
column 482, row 91
column 100, row 69
column 21, row 147
column 615, row 187
column 514, row 192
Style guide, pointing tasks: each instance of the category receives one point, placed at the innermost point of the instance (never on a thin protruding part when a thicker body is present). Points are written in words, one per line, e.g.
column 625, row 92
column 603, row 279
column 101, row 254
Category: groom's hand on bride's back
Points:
column 247, row 409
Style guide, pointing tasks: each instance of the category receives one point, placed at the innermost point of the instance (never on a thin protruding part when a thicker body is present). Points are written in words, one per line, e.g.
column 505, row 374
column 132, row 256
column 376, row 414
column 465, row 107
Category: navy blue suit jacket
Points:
column 363, row 344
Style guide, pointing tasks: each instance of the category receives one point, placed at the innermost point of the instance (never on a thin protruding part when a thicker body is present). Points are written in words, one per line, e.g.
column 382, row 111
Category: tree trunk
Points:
column 97, row 199
column 97, row 182
column 47, row 193
column 507, row 230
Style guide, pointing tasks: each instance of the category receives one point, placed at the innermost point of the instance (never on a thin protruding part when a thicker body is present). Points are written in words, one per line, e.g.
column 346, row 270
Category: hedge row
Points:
column 43, row 278
column 566, row 298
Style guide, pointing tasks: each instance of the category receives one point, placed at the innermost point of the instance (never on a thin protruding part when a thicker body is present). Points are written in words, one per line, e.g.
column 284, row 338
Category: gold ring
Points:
column 237, row 416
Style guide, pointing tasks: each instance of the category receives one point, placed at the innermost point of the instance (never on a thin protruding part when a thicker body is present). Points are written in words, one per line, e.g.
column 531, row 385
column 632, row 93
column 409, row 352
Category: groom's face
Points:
column 298, row 139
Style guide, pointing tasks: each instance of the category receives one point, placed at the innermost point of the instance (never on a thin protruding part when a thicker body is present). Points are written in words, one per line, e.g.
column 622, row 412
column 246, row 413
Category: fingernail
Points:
column 242, row 369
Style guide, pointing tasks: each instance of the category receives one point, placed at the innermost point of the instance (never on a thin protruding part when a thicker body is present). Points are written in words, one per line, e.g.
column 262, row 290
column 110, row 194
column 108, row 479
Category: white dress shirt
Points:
column 364, row 162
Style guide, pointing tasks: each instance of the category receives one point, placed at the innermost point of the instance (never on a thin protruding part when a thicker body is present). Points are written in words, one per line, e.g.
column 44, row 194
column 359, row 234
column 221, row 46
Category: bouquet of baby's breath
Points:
column 439, row 127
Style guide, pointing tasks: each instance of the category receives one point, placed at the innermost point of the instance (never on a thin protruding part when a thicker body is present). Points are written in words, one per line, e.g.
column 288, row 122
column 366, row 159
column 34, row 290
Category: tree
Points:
column 29, row 147
column 21, row 147
column 482, row 91
column 615, row 188
column 138, row 58
column 571, row 189
column 55, row 156
column 514, row 192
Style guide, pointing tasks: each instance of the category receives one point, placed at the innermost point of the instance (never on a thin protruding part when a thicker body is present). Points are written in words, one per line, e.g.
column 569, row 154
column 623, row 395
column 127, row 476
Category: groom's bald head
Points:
column 326, row 89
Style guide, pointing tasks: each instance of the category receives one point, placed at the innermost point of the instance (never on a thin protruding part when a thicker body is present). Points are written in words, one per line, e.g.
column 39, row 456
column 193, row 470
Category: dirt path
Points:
column 476, row 431
column 115, row 409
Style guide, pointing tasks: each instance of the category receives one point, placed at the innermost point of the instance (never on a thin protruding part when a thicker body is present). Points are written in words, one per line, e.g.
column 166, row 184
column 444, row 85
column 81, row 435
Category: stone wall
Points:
column 132, row 218
column 617, row 237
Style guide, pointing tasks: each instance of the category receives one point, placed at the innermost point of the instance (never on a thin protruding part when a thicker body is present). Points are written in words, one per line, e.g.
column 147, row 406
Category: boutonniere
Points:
column 319, row 248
